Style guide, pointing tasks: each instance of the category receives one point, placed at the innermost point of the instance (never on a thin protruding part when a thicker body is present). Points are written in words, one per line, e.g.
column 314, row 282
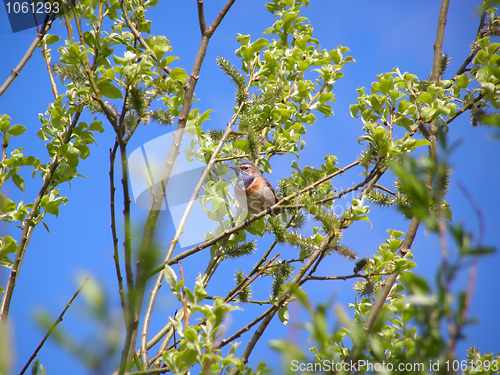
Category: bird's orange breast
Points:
column 254, row 187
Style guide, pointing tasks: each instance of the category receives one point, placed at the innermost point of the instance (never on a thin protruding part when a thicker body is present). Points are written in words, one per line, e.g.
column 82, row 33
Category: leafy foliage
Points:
column 113, row 68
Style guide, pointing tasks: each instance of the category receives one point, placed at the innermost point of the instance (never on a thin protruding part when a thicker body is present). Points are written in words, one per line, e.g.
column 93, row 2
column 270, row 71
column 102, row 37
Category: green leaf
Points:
column 51, row 39
column 109, row 90
column 170, row 276
column 16, row 130
column 325, row 109
column 422, row 142
column 265, row 166
column 46, row 226
column 4, row 123
column 199, row 292
column 425, row 97
column 18, row 180
column 177, row 74
column 283, row 314
column 52, row 207
column 386, row 85
column 257, row 228
column 258, row 45
column 428, row 113
column 72, row 153
column 96, row 126
column 463, row 80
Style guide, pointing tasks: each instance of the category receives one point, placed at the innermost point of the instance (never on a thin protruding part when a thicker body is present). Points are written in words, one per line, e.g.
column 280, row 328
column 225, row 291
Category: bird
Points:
column 253, row 191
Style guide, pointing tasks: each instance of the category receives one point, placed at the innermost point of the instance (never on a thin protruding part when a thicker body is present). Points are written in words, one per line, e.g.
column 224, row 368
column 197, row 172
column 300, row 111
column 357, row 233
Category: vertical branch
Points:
column 4, row 156
column 116, row 257
column 131, row 336
column 415, row 222
column 97, row 35
column 180, row 228
column 438, row 46
column 201, row 17
column 46, row 57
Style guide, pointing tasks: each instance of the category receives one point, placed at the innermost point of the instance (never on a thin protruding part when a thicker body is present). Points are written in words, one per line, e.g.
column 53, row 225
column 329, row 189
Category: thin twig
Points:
column 201, row 17
column 474, row 51
column 377, row 186
column 116, row 256
column 248, row 282
column 258, row 265
column 17, row 70
column 58, row 320
column 245, row 156
column 268, row 315
column 386, row 287
column 49, row 69
column 353, row 276
column 138, row 35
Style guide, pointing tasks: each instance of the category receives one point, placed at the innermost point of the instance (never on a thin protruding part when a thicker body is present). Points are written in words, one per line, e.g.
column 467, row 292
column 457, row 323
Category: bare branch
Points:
column 116, row 257
column 17, row 70
column 58, row 320
column 201, row 17
column 438, row 46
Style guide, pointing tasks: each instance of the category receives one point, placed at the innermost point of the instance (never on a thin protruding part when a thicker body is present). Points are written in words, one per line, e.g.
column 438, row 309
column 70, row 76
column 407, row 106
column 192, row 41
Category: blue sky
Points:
column 380, row 35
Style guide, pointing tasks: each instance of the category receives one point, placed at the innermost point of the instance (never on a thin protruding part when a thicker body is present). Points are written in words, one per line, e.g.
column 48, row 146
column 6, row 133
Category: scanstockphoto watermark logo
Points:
column 364, row 366
column 147, row 174
column 26, row 14
column 214, row 201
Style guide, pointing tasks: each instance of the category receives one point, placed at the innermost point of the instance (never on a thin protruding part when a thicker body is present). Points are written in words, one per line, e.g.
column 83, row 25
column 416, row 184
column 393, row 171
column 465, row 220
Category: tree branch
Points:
column 131, row 337
column 268, row 315
column 28, row 228
column 116, row 256
column 474, row 51
column 17, row 70
column 438, row 46
column 251, row 219
column 58, row 320
column 138, row 35
column 201, row 17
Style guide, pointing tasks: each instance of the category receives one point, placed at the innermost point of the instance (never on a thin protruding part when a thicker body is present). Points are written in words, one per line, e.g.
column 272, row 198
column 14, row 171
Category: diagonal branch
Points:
column 28, row 227
column 138, row 35
column 474, row 51
column 268, row 315
column 251, row 219
column 58, row 320
column 17, row 70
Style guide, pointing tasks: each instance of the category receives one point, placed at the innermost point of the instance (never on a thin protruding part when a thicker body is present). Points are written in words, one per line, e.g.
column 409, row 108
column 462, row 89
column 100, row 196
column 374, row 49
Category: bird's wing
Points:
column 272, row 189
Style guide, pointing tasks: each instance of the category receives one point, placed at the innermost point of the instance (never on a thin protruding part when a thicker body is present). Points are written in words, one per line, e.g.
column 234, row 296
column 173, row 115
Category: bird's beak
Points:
column 233, row 168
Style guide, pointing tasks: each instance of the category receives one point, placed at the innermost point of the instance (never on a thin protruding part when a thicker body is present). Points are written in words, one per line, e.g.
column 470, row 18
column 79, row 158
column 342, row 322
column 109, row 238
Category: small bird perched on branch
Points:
column 253, row 191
